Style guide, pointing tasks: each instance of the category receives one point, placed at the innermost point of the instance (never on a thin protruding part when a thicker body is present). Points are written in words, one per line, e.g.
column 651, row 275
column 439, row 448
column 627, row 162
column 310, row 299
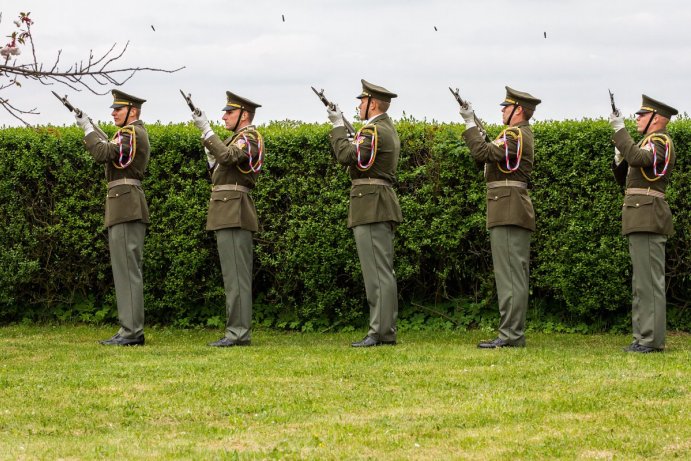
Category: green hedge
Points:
column 54, row 262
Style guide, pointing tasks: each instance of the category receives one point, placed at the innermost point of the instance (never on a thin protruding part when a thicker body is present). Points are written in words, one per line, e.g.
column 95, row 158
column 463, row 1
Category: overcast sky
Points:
column 631, row 46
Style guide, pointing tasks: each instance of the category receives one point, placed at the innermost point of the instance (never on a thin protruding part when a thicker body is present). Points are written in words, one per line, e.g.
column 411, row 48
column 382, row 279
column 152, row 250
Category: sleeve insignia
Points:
column 240, row 143
column 498, row 142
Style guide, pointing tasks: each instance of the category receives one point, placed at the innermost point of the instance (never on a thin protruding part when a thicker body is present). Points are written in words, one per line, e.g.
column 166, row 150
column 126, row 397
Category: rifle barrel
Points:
column 348, row 126
column 322, row 98
column 67, row 104
column 464, row 105
column 611, row 100
column 190, row 104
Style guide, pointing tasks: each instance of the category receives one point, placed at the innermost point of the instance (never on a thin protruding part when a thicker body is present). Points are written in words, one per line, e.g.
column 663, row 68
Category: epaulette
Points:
column 661, row 138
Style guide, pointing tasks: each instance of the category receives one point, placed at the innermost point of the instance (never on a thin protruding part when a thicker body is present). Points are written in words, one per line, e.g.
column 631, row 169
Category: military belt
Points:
column 237, row 187
column 648, row 191
column 506, row 183
column 371, row 181
column 120, row 182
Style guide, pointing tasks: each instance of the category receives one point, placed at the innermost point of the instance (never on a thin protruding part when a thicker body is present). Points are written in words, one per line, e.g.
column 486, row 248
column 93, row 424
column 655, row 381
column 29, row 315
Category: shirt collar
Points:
column 373, row 118
column 245, row 128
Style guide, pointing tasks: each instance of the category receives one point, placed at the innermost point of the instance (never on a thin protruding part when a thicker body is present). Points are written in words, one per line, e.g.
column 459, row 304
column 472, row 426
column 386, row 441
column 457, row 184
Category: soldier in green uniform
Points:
column 508, row 162
column 644, row 168
column 125, row 157
column 372, row 159
column 234, row 165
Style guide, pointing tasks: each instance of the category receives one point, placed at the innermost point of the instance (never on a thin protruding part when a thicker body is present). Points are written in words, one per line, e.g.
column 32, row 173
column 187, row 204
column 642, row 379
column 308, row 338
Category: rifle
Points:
column 464, row 105
column 79, row 113
column 190, row 104
column 611, row 101
column 348, row 126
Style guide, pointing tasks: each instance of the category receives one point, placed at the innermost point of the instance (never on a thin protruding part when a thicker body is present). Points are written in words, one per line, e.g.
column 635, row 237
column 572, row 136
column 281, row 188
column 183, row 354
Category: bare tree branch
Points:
column 91, row 75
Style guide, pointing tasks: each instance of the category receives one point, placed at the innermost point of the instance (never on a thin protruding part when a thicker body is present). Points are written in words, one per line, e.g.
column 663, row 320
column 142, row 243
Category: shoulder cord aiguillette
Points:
column 125, row 160
column 359, row 139
column 255, row 166
column 517, row 134
column 650, row 140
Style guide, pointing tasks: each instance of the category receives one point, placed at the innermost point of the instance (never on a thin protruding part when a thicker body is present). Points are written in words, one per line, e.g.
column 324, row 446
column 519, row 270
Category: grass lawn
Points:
column 310, row 396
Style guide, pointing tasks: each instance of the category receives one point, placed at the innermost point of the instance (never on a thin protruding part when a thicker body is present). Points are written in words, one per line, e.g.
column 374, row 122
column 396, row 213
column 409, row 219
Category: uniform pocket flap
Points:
column 360, row 191
column 225, row 195
column 498, row 193
column 636, row 201
column 119, row 191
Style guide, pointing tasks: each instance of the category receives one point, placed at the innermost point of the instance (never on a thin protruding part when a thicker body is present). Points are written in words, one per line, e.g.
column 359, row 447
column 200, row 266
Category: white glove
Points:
column 468, row 115
column 84, row 123
column 618, row 158
column 617, row 121
column 201, row 122
column 335, row 116
column 210, row 159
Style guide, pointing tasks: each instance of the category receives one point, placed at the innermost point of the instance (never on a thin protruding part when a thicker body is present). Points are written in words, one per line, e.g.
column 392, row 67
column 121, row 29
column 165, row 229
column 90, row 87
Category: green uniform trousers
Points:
column 649, row 302
column 126, row 243
column 511, row 260
column 235, row 252
column 374, row 244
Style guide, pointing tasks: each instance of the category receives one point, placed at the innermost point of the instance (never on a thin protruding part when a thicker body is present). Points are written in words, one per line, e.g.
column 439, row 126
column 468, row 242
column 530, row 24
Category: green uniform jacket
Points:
column 644, row 213
column 371, row 203
column 506, row 206
column 126, row 202
column 232, row 208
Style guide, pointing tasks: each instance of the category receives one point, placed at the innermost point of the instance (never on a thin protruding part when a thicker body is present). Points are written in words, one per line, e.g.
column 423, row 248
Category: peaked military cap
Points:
column 237, row 102
column 122, row 99
column 376, row 92
column 651, row 105
column 520, row 98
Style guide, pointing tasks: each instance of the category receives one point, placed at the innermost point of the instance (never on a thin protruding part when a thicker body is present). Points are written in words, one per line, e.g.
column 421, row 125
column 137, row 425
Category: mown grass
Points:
column 310, row 396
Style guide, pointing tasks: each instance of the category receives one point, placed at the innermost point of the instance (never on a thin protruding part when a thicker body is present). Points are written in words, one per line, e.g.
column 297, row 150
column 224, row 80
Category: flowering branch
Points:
column 91, row 74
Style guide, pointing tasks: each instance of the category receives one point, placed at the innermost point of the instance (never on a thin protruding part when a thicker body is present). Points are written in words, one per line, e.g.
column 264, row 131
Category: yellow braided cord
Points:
column 129, row 129
column 372, row 131
column 260, row 150
column 514, row 133
column 652, row 138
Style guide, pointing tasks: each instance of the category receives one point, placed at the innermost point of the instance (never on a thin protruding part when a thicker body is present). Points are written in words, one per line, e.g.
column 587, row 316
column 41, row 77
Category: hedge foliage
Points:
column 54, row 261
